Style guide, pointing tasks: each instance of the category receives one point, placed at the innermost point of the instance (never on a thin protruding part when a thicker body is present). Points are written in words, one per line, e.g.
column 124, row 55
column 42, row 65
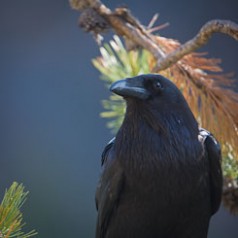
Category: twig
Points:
column 153, row 20
column 222, row 26
column 158, row 28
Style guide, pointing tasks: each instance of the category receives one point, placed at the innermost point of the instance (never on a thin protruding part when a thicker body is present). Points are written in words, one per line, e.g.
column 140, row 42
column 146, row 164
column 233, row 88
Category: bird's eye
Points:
column 158, row 86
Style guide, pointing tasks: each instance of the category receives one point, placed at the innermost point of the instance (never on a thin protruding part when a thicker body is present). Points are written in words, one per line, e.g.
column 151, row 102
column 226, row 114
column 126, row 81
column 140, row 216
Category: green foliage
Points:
column 11, row 219
column 117, row 63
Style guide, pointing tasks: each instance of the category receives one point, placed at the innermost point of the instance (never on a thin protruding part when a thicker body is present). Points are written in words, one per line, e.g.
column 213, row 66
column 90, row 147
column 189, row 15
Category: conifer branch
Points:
column 126, row 25
column 11, row 218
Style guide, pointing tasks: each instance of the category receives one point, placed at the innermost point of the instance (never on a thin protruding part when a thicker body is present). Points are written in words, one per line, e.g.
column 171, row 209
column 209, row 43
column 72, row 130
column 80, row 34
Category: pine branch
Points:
column 126, row 25
column 215, row 26
column 11, row 219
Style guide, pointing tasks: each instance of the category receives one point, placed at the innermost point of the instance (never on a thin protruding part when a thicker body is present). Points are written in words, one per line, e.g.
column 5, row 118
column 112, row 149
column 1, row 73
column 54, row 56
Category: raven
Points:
column 161, row 174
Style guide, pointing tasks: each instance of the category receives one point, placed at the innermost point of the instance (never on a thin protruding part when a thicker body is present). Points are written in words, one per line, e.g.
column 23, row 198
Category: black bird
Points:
column 161, row 174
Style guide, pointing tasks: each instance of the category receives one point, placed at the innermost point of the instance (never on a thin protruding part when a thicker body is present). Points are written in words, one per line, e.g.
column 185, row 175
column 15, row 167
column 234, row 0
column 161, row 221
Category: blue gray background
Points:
column 51, row 135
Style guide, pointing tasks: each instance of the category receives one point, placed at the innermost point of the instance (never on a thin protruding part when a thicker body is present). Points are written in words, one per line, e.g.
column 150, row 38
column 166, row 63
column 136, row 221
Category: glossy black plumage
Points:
column 161, row 174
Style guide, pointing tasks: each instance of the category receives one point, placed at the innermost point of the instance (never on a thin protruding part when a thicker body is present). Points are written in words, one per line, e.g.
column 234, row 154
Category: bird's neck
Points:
column 142, row 133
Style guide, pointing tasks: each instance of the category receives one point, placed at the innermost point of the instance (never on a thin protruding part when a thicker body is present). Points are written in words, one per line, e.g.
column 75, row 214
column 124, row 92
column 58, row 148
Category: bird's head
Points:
column 155, row 98
column 150, row 88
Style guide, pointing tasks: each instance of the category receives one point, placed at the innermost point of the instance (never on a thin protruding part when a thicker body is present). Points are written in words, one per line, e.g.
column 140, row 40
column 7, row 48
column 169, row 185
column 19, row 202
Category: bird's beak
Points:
column 130, row 87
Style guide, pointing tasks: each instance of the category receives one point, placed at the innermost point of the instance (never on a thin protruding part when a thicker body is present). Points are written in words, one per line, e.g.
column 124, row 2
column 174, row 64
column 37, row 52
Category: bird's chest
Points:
column 161, row 165
column 158, row 170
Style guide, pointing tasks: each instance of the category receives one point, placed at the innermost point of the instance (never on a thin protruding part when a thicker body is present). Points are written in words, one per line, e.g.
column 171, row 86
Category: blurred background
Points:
column 51, row 135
